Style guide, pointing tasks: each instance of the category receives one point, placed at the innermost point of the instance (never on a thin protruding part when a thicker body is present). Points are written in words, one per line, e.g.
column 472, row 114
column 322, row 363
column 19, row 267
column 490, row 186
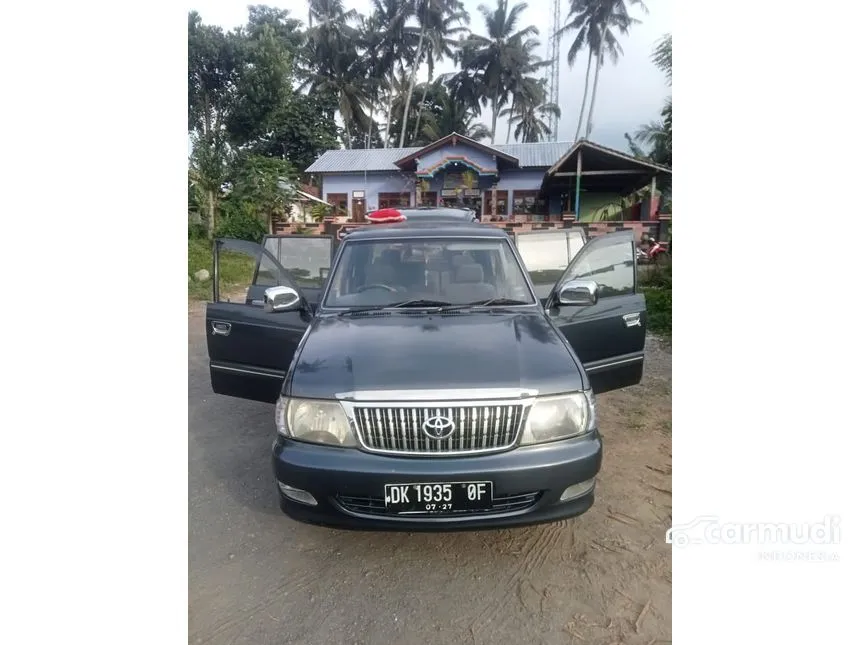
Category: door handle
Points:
column 632, row 320
column 221, row 328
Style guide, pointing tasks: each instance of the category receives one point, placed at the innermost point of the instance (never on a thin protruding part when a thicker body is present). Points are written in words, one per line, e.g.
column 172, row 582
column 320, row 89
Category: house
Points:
column 548, row 181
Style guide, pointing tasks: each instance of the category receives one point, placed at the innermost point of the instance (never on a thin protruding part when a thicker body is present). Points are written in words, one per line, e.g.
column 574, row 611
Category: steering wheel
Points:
column 376, row 286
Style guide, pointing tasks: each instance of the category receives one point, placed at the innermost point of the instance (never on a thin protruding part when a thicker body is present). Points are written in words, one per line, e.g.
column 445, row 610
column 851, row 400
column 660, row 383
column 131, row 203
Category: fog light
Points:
column 297, row 494
column 577, row 490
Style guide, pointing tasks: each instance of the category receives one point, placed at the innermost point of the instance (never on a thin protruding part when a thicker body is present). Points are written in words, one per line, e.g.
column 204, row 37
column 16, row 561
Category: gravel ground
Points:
column 257, row 577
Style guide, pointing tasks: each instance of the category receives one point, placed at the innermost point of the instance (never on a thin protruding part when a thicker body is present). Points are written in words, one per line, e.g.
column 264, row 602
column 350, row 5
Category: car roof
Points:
column 424, row 229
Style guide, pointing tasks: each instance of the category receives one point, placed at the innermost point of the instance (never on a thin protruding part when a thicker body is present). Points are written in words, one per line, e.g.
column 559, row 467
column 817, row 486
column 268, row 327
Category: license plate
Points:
column 438, row 498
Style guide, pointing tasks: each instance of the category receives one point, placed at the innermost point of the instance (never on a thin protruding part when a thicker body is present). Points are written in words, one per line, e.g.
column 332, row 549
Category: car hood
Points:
column 416, row 350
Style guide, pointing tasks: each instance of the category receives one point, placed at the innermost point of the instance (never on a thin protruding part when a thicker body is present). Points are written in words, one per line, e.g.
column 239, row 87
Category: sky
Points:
column 629, row 94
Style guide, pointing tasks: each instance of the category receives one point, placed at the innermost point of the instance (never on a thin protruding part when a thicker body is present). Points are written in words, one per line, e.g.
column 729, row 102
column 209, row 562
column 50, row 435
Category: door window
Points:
column 611, row 265
column 306, row 259
column 548, row 254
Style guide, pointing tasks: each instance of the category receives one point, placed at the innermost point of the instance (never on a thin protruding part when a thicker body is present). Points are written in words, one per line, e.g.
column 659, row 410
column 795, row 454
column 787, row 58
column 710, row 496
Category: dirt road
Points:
column 257, row 577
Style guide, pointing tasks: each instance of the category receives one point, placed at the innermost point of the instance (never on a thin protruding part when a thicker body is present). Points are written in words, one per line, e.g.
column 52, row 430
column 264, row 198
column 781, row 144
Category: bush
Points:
column 196, row 231
column 241, row 223
column 659, row 304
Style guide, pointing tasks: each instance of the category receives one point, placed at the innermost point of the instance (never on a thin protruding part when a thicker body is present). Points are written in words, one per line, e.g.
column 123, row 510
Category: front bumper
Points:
column 349, row 484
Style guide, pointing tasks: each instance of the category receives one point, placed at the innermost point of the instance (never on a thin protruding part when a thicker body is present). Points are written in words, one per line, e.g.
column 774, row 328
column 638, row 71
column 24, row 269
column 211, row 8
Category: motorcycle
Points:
column 653, row 252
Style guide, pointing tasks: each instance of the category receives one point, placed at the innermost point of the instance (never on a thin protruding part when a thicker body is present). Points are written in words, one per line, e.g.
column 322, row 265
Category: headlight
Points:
column 314, row 421
column 560, row 417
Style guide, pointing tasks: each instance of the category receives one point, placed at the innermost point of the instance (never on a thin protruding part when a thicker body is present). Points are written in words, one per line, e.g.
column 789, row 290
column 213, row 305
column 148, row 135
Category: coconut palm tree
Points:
column 657, row 135
column 593, row 22
column 530, row 111
column 336, row 69
column 428, row 13
column 662, row 56
column 449, row 115
column 440, row 45
column 502, row 56
column 608, row 13
column 393, row 44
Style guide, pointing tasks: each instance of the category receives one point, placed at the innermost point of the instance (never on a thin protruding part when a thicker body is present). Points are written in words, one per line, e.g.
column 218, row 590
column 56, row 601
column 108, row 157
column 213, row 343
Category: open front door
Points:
column 547, row 255
column 250, row 347
column 608, row 334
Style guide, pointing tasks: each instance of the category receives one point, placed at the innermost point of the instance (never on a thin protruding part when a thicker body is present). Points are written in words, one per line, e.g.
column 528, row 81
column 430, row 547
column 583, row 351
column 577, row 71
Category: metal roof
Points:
column 530, row 155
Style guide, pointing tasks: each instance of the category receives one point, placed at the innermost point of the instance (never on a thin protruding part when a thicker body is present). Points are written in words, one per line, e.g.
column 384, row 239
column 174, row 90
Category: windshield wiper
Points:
column 420, row 302
column 415, row 302
column 496, row 301
column 360, row 310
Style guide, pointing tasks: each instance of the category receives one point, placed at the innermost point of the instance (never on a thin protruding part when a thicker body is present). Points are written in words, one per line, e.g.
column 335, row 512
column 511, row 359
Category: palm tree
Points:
column 335, row 66
column 662, row 56
column 394, row 41
column 451, row 115
column 586, row 18
column 440, row 45
column 530, row 111
column 608, row 13
column 428, row 12
column 657, row 135
column 502, row 56
column 348, row 83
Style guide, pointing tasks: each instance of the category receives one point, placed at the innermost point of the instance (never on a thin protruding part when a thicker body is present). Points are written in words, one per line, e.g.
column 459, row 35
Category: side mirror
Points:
column 281, row 299
column 578, row 293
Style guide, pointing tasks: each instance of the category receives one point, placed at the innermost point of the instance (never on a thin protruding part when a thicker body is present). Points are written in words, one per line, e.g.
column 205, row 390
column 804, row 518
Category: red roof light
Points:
column 386, row 216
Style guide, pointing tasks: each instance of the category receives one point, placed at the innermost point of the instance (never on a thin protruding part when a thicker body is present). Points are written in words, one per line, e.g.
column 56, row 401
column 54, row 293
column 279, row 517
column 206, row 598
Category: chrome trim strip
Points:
column 623, row 361
column 351, row 409
column 246, row 371
column 455, row 397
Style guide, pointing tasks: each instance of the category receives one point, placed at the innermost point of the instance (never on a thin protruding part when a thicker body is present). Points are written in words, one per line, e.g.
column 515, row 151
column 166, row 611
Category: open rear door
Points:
column 250, row 349
column 609, row 335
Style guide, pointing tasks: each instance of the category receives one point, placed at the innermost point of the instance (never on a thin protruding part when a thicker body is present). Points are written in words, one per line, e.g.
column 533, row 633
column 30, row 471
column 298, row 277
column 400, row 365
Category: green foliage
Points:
column 657, row 287
column 235, row 269
column 265, row 183
column 196, row 231
column 319, row 211
column 659, row 306
column 300, row 130
column 243, row 223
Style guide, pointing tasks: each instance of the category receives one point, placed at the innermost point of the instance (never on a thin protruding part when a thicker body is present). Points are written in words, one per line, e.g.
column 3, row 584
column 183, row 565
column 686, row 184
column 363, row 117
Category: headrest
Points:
column 470, row 273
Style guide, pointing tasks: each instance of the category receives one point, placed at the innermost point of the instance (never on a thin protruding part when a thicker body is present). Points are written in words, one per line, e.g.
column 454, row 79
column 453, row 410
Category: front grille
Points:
column 483, row 428
column 375, row 505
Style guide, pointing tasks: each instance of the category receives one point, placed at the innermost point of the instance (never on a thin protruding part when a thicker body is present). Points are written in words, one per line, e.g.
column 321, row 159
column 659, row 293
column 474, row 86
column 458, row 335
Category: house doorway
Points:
column 359, row 207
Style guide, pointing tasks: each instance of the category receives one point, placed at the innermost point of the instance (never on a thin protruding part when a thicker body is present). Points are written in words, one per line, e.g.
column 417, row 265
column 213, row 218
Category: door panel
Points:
column 608, row 336
column 547, row 255
column 250, row 349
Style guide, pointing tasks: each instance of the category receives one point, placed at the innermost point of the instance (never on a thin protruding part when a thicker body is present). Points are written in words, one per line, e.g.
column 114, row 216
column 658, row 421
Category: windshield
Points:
column 441, row 271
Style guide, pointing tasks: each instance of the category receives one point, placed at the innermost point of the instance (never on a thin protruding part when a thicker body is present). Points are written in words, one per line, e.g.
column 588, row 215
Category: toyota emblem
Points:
column 438, row 427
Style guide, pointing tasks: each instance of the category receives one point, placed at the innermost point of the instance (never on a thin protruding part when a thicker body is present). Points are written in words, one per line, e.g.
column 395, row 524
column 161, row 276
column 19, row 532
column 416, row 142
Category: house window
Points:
column 393, row 200
column 527, row 202
column 501, row 203
column 340, row 203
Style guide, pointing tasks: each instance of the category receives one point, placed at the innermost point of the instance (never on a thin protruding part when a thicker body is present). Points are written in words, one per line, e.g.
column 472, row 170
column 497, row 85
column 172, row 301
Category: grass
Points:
column 236, row 270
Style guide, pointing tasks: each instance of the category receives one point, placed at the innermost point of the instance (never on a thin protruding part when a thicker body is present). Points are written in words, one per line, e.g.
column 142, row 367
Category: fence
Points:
column 592, row 229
